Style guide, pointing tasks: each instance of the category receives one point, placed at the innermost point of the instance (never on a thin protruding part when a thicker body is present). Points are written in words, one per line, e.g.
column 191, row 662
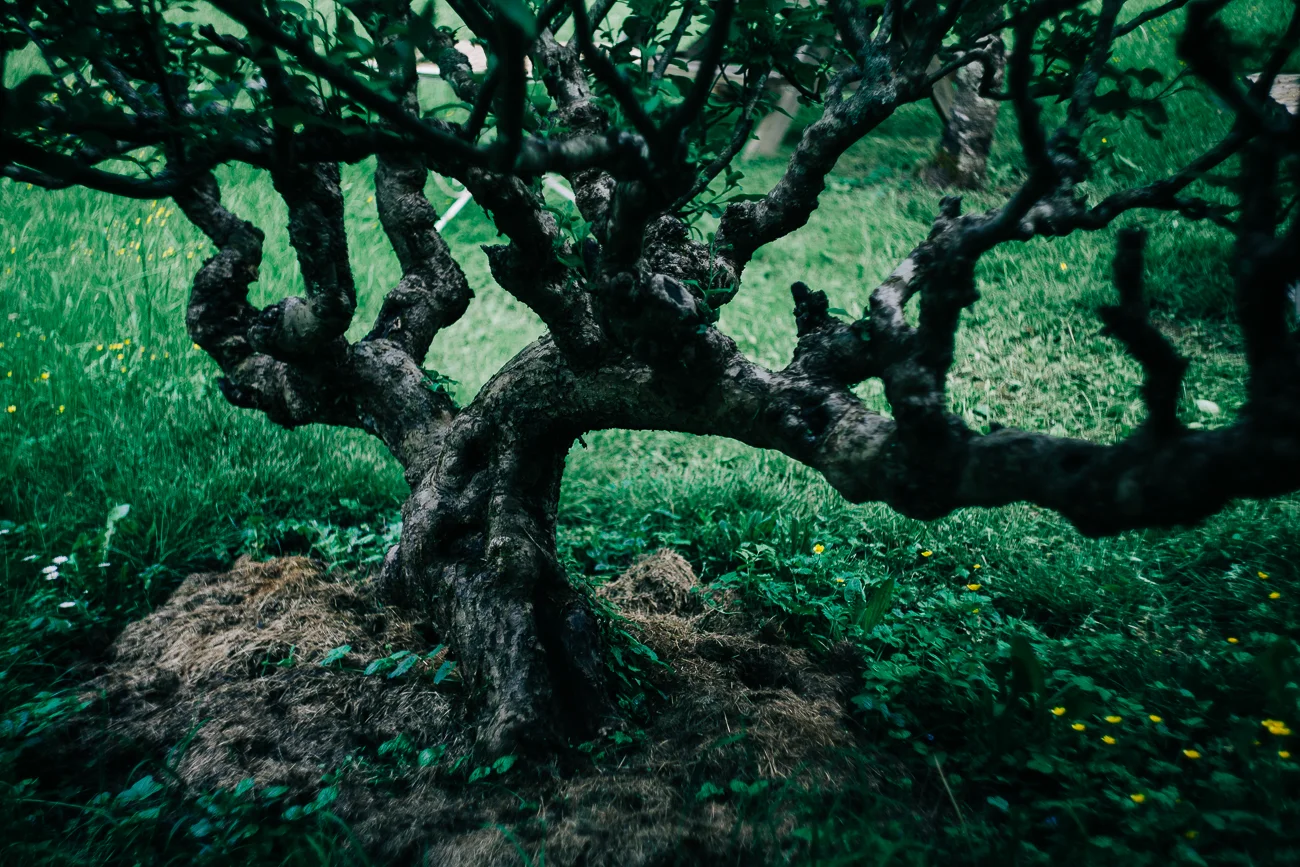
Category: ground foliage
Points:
column 964, row 668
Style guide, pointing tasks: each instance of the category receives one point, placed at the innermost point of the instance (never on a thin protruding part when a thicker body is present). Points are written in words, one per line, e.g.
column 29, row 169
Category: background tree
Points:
column 140, row 101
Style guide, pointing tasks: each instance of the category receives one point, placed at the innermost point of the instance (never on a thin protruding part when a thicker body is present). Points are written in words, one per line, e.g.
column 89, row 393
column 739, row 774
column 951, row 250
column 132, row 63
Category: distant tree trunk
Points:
column 969, row 120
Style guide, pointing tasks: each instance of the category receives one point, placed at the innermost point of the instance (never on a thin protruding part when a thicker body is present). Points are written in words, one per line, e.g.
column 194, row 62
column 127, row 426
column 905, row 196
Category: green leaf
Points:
column 708, row 790
column 504, row 764
column 443, row 670
column 479, row 773
column 404, row 666
column 336, row 654
column 1026, row 671
column 518, row 14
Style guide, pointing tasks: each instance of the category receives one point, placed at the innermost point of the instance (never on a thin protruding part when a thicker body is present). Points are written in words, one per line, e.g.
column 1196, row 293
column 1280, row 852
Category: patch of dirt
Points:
column 224, row 679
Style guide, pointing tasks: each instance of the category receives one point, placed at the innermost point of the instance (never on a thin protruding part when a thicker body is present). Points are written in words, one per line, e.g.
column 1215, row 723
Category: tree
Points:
column 140, row 101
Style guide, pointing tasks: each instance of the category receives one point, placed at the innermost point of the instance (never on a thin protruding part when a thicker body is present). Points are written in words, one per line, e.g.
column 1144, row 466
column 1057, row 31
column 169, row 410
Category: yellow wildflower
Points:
column 1155, row 718
column 127, row 342
column 1263, row 575
column 973, row 587
column 61, row 408
column 818, row 548
column 1137, row 797
column 1233, row 641
column 124, row 370
column 1103, row 141
column 45, row 375
column 1065, row 267
column 839, row 580
column 976, row 566
column 120, row 356
column 1058, row 711
column 1192, row 754
column 1109, row 740
column 1275, row 595
column 99, row 347
column 1078, row 727
column 1284, row 754
column 927, row 553
column 11, row 408
column 1113, row 718
column 196, row 346
column 153, row 357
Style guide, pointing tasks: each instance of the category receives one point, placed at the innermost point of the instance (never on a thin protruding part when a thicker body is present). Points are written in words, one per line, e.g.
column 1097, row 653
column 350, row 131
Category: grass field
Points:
column 1162, row 651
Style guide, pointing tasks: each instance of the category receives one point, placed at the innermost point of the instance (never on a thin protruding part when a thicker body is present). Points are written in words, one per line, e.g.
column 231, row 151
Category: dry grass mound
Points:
column 225, row 678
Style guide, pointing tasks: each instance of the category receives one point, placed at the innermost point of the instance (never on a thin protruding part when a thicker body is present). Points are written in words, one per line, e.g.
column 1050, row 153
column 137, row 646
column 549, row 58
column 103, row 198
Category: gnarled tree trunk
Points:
column 478, row 556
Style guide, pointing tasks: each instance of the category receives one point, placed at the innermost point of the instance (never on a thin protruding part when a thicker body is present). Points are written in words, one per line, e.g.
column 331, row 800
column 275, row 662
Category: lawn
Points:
column 1040, row 696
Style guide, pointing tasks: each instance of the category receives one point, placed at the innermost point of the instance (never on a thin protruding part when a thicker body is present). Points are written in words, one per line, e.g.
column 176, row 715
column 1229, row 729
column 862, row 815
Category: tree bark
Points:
column 477, row 555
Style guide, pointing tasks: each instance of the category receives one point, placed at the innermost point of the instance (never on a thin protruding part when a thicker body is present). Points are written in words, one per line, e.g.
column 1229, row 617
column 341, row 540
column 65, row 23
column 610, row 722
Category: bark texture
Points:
column 970, row 117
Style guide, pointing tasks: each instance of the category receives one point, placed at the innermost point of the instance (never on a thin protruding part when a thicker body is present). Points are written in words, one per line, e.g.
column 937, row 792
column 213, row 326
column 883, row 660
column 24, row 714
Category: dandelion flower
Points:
column 1284, row 754
column 1058, row 711
column 818, row 548
column 1065, row 267
column 1192, row 754
column 1108, row 740
column 1275, row 595
column 99, row 347
column 1114, row 719
column 1103, row 141
column 1234, row 641
column 61, row 408
column 1156, row 718
column 45, row 375
column 124, row 370
column 1137, row 797
column 1262, row 575
column 119, row 356
column 839, row 580
column 1078, row 727
column 11, row 408
column 973, row 587
column 153, row 357
column 927, row 553
column 976, row 566
column 196, row 346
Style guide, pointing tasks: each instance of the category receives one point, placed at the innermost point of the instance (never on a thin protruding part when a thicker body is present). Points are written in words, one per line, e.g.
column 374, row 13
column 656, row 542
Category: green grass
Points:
column 1131, row 626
